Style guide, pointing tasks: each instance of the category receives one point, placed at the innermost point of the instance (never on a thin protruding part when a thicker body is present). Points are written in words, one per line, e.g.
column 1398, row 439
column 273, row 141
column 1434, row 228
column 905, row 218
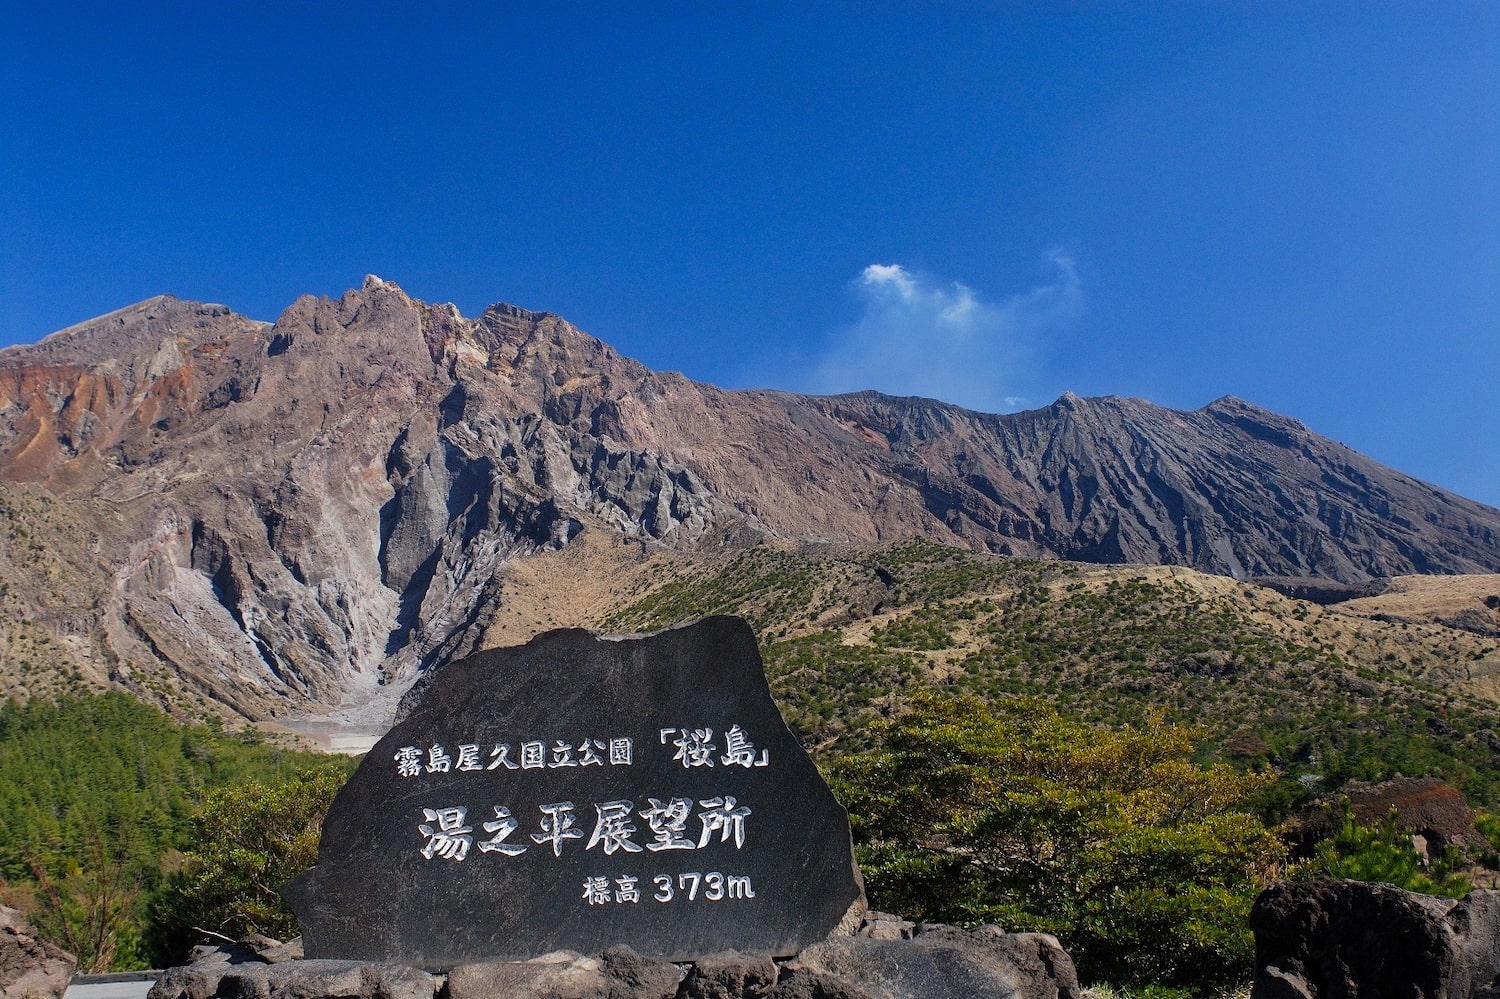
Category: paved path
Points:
column 109, row 990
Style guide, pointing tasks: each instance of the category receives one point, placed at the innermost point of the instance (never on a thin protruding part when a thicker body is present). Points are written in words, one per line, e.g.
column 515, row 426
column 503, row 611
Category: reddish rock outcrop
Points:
column 1426, row 806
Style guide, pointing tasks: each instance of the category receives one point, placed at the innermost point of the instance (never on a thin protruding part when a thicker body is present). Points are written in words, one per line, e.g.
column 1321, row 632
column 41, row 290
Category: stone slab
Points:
column 137, row 988
column 579, row 793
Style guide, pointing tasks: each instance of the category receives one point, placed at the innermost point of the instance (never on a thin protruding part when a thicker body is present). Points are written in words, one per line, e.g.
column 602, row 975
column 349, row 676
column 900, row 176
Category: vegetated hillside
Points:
column 1319, row 692
column 272, row 520
column 50, row 593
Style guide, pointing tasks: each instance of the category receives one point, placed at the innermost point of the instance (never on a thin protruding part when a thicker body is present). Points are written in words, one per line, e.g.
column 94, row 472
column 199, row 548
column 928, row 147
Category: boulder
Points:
column 807, row 983
column 323, row 979
column 272, row 951
column 464, row 836
column 277, row 952
column 199, row 980
column 936, row 963
column 29, row 966
column 207, row 964
column 731, row 974
column 884, row 926
column 891, row 959
column 1320, row 940
column 638, row 976
column 239, row 952
column 618, row 973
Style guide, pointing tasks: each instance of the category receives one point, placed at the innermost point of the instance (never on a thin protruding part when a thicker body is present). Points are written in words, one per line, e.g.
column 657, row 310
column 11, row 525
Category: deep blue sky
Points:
column 1294, row 203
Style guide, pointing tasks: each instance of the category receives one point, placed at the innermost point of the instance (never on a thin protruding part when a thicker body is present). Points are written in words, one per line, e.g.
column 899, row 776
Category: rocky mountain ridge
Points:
column 293, row 516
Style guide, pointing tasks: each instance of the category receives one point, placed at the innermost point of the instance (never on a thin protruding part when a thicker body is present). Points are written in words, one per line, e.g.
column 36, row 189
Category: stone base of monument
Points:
column 887, row 958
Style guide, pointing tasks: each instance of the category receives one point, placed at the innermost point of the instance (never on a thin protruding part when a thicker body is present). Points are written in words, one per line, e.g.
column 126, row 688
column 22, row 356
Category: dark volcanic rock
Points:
column 289, row 514
column 939, row 962
column 884, row 926
column 1321, row 591
column 325, row 980
column 933, row 966
column 30, row 968
column 729, row 975
column 619, row 973
column 199, row 978
column 207, row 966
column 577, row 793
column 807, row 983
column 1345, row 938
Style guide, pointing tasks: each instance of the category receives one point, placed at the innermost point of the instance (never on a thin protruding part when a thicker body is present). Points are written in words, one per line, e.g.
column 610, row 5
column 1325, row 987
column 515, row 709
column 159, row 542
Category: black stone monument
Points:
column 578, row 793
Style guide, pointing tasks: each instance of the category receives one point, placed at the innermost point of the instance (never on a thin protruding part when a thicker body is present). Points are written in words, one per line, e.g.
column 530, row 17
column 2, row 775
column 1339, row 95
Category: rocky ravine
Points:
column 301, row 515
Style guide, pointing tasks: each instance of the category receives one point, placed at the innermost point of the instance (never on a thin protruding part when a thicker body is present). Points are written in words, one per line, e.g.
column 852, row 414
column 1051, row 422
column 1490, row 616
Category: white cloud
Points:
column 919, row 335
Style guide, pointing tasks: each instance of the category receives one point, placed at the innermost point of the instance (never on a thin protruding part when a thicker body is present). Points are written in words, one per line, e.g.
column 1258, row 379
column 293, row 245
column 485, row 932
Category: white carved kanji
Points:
column 408, row 761
column 588, row 753
column 668, row 824
column 739, row 751
column 557, row 826
column 596, row 890
column 562, row 755
column 720, row 816
column 450, row 839
column 468, row 757
column 533, row 755
column 613, row 828
column 502, row 826
column 501, row 757
column 695, row 747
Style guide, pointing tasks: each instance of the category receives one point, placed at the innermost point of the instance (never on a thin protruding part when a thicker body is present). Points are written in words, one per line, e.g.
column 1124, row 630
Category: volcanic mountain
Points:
column 278, row 517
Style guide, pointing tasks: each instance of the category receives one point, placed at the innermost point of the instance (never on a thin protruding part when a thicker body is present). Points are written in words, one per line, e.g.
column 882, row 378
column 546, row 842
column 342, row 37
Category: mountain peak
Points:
column 1231, row 404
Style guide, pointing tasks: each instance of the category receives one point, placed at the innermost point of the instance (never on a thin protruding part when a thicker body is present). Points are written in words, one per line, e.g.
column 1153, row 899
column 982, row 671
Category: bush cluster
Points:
column 1142, row 862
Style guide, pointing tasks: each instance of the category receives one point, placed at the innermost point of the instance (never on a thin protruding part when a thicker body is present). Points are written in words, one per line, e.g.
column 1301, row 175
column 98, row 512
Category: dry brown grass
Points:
column 1432, row 598
column 575, row 586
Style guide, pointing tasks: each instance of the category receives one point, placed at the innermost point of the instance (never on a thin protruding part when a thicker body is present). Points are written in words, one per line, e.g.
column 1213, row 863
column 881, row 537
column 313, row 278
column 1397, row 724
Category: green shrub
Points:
column 1383, row 852
column 249, row 840
column 1144, row 863
column 1488, row 824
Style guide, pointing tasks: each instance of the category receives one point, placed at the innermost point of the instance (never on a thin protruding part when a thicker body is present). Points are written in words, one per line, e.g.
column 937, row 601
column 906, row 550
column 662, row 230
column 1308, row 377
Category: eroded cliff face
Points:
column 308, row 513
column 296, row 516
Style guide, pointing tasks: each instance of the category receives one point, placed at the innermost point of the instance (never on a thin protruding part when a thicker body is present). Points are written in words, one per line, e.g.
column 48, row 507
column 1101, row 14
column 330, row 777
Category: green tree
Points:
column 1144, row 863
column 97, row 796
column 1384, row 852
column 249, row 839
column 88, row 908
